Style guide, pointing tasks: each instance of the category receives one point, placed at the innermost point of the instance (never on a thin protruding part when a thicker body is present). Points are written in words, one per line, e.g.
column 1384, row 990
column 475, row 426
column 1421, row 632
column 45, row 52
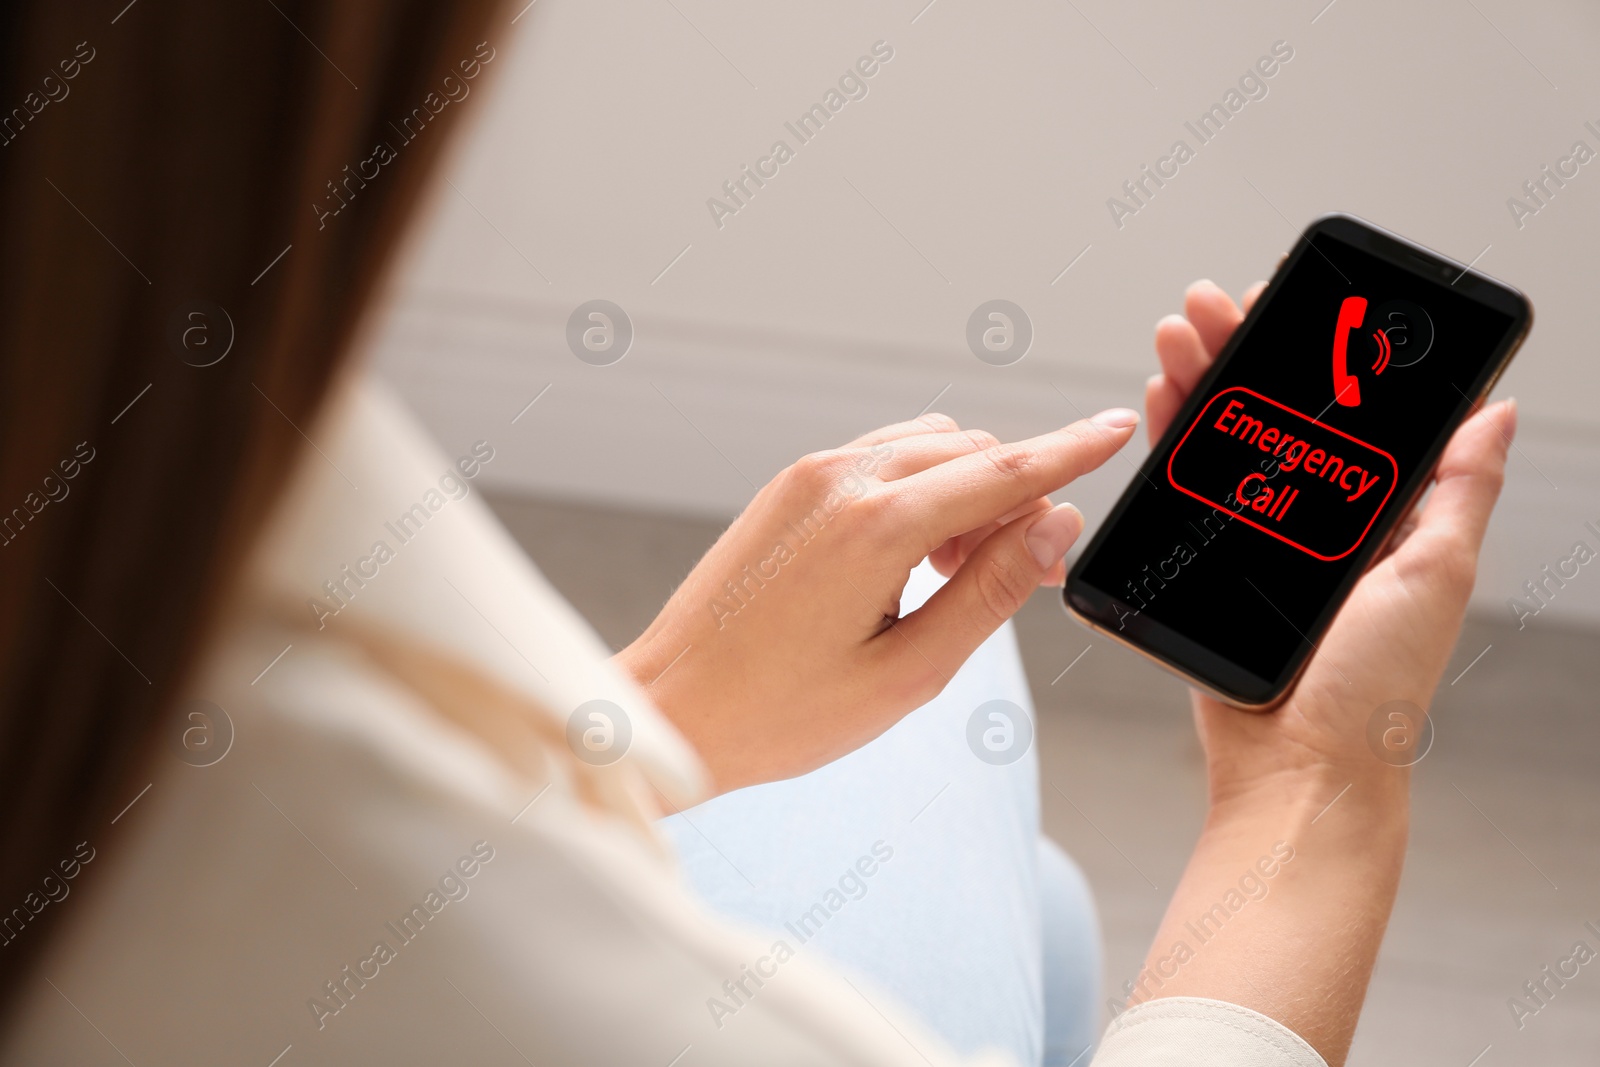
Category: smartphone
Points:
column 1310, row 438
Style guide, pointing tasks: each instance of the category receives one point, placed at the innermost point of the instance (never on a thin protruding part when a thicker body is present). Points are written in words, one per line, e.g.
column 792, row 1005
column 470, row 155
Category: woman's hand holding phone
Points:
column 1394, row 635
column 1303, row 772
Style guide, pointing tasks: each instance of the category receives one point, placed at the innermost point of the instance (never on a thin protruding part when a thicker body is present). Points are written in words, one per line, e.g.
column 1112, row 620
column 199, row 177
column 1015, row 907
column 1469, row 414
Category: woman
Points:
column 401, row 836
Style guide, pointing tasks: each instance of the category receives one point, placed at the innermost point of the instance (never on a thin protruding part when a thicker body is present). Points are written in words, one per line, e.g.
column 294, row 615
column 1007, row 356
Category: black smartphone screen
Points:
column 1229, row 553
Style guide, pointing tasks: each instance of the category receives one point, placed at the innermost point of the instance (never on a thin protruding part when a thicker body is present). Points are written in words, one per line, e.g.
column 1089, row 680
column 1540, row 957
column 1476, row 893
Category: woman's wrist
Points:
column 1285, row 900
column 1377, row 796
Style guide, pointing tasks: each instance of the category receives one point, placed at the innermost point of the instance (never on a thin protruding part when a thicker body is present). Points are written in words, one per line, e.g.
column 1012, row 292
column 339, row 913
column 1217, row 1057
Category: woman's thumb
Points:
column 990, row 586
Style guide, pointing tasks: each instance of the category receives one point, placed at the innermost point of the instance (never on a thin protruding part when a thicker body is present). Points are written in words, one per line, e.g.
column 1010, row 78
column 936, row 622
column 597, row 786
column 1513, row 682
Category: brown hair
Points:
column 169, row 172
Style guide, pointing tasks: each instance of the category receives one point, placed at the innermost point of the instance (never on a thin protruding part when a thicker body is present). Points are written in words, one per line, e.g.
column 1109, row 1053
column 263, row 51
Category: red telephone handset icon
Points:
column 1346, row 390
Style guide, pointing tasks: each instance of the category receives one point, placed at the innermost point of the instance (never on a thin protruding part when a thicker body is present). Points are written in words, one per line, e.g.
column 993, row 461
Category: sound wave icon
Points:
column 1385, row 349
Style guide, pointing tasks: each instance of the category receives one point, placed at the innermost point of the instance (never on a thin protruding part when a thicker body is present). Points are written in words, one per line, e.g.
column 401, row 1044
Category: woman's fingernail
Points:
column 1116, row 418
column 1511, row 416
column 1050, row 537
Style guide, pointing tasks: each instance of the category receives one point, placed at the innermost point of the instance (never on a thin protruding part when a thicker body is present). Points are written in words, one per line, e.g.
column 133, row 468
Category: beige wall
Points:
column 977, row 166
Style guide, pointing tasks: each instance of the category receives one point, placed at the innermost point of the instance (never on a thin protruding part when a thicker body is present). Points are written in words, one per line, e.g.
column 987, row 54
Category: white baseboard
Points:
column 699, row 414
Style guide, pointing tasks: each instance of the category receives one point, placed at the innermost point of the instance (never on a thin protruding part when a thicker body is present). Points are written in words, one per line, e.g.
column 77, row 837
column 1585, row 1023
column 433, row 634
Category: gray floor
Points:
column 1504, row 864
